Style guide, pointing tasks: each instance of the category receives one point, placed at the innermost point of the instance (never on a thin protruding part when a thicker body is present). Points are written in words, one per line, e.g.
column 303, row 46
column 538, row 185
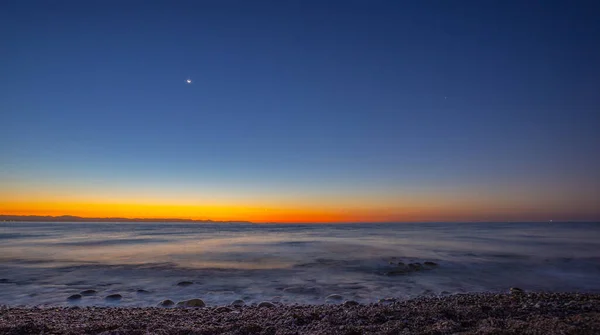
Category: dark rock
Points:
column 184, row 283
column 223, row 309
column 142, row 292
column 113, row 297
column 88, row 292
column 415, row 266
column 191, row 303
column 349, row 303
column 74, row 297
column 166, row 303
column 430, row 264
column 238, row 303
column 516, row 290
column 266, row 304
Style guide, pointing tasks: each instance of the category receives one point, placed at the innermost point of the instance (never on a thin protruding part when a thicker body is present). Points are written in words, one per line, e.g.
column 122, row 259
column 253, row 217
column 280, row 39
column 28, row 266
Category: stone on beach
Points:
column 266, row 304
column 238, row 303
column 166, row 303
column 349, row 303
column 191, row 303
column 223, row 309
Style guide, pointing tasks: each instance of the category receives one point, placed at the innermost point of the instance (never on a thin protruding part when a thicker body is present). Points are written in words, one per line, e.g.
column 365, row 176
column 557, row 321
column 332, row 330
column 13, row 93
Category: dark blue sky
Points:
column 317, row 98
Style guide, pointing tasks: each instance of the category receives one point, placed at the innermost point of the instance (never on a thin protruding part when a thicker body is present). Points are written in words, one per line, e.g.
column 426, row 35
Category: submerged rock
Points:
column 415, row 266
column 238, row 303
column 142, row 291
column 166, row 303
column 191, row 303
column 431, row 264
column 184, row 283
column 74, row 297
column 266, row 304
column 349, row 303
column 113, row 297
column 88, row 292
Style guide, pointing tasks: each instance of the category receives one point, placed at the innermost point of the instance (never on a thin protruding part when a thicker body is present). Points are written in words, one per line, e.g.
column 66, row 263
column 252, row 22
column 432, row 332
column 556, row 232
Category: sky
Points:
column 301, row 111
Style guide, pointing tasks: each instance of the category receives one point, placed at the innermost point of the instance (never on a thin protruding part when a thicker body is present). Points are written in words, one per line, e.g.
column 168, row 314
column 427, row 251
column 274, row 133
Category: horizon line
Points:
column 75, row 218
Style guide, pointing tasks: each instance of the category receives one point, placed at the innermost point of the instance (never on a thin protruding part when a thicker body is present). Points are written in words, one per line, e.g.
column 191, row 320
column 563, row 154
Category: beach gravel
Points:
column 526, row 313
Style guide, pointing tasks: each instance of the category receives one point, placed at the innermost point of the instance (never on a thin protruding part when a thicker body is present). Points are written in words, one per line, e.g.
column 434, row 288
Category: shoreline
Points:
column 473, row 313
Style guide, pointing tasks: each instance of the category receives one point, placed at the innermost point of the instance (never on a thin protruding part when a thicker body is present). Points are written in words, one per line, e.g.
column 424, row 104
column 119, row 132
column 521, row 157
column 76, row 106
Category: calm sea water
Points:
column 44, row 263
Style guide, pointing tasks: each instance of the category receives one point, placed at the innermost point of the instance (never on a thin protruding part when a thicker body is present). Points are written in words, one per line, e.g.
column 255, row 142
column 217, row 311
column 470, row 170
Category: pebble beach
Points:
column 516, row 312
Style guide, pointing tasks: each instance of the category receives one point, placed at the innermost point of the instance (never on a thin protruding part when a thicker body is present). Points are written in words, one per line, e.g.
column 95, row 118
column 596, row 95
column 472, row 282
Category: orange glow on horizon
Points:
column 268, row 214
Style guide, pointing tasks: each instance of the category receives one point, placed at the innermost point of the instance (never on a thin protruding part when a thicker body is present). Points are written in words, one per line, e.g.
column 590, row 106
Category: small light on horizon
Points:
column 189, row 81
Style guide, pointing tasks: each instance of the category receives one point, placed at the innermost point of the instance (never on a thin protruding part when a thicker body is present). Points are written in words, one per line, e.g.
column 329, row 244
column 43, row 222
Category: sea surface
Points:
column 44, row 263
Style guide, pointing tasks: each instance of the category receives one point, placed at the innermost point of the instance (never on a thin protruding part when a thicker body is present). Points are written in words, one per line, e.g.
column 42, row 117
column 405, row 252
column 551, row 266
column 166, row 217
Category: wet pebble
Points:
column 266, row 304
column 238, row 303
column 223, row 309
column 191, row 303
column 166, row 303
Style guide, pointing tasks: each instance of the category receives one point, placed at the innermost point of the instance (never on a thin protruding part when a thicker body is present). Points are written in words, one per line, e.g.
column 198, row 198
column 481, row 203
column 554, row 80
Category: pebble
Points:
column 266, row 304
column 166, row 303
column 223, row 309
column 516, row 290
column 238, row 303
column 192, row 303
column 349, row 303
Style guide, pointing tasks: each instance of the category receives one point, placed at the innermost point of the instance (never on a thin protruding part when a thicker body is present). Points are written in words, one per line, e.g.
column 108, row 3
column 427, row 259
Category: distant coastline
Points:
column 72, row 218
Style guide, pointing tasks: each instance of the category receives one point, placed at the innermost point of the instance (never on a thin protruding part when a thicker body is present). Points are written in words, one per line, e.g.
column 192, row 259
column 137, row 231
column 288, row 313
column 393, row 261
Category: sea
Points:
column 42, row 264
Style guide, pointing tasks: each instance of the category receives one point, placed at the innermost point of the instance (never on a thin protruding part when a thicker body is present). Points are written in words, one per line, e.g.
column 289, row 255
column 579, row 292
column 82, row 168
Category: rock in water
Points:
column 415, row 266
column 238, row 303
column 74, row 297
column 142, row 292
column 184, row 283
column 430, row 264
column 113, row 297
column 166, row 303
column 266, row 304
column 349, row 303
column 88, row 292
column 191, row 303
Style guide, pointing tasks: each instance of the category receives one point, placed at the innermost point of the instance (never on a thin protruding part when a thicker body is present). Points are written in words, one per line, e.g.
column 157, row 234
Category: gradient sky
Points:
column 301, row 111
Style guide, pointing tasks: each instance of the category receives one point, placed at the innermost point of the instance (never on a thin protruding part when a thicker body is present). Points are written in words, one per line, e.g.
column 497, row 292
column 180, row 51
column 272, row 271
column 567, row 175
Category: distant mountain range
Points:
column 71, row 218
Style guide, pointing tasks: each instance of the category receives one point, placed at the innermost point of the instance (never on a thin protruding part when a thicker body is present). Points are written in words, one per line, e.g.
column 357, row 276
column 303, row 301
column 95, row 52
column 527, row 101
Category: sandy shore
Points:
column 532, row 313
